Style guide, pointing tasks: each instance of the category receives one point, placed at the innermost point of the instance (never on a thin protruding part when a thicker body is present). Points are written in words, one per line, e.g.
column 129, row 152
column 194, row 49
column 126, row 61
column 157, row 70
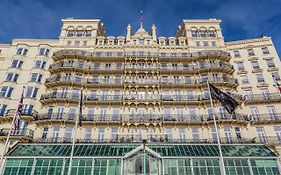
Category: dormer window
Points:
column 88, row 33
column 172, row 43
column 182, row 43
column 21, row 51
column 148, row 42
column 162, row 43
column 79, row 33
column 100, row 43
column 70, row 33
column 212, row 34
column 110, row 43
column 120, row 43
column 203, row 33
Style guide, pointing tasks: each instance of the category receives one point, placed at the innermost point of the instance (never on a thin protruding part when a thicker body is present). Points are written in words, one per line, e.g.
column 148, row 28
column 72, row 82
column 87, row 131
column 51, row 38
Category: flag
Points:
column 227, row 101
column 278, row 86
column 19, row 111
column 80, row 109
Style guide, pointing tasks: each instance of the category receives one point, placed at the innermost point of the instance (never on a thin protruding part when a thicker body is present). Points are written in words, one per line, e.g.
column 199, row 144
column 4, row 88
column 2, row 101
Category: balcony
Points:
column 23, row 135
column 75, row 97
column 27, row 115
column 83, row 67
column 187, row 56
column 265, row 118
column 141, row 119
column 262, row 98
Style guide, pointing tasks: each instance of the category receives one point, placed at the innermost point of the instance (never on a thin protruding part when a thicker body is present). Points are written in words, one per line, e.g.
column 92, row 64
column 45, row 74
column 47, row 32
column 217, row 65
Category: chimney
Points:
column 153, row 28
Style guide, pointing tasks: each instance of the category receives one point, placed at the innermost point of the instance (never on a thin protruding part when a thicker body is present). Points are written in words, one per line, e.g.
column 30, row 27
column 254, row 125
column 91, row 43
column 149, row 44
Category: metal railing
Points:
column 130, row 97
column 162, row 81
column 83, row 53
column 262, row 98
column 265, row 117
column 149, row 118
column 17, row 132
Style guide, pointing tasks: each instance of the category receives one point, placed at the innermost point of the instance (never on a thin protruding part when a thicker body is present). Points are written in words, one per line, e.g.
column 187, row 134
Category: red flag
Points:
column 278, row 86
column 19, row 111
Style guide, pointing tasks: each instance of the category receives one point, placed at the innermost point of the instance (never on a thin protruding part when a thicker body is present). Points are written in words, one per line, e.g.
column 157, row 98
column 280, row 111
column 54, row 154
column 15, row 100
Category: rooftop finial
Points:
column 141, row 19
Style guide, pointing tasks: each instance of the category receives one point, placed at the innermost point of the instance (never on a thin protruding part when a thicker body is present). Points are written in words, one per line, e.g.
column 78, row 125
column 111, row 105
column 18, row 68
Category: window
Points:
column 76, row 43
column 275, row 76
column 79, row 33
column 194, row 33
column 244, row 79
column 40, row 64
column 44, row 133
column 21, row 51
column 238, row 133
column 195, row 134
column 227, row 133
column 3, row 108
column 56, row 132
column 68, row 134
column 182, row 134
column 255, row 65
column 270, row 63
column 31, row 92
column 17, row 63
column 27, row 109
column 101, row 134
column 251, row 52
column 44, row 51
column 205, row 43
column 260, row 78
column 88, row 134
column 114, row 134
column 36, row 77
column 192, row 113
column 248, row 94
column 90, row 115
column 13, row 77
column 71, row 113
column 203, row 33
column 88, row 33
column 261, row 134
column 6, row 91
column 254, row 113
column 84, row 43
column 169, row 133
column 197, row 43
column 278, row 133
column 265, row 50
column 240, row 66
column 212, row 34
column 214, row 43
column 272, row 112
column 68, row 43
column 70, row 33
column 214, row 134
column 236, row 54
column 265, row 93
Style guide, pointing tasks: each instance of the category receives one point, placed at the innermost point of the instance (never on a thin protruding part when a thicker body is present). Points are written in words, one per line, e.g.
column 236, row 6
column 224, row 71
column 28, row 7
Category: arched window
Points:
column 194, row 32
column 203, row 33
column 212, row 32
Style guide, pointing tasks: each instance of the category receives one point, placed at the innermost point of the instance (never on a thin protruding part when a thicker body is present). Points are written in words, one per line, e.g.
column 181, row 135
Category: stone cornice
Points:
column 248, row 41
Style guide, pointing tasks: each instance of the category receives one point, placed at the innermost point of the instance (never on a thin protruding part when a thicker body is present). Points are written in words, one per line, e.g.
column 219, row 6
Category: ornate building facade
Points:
column 146, row 106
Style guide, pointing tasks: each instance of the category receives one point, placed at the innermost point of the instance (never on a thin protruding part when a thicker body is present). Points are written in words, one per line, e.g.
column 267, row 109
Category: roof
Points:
column 120, row 150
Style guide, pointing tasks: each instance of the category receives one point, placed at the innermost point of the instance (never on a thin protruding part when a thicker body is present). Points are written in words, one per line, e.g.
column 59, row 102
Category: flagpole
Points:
column 74, row 138
column 9, row 134
column 217, row 133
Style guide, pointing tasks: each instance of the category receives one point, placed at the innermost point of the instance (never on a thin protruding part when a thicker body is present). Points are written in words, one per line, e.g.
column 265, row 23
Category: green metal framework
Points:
column 106, row 159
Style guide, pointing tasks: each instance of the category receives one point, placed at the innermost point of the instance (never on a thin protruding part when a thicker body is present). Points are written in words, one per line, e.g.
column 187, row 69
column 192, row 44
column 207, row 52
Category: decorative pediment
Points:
column 141, row 34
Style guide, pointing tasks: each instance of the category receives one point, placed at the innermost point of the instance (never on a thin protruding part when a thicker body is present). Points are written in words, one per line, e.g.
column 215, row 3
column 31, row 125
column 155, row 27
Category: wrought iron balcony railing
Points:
column 262, row 98
column 18, row 132
column 82, row 53
column 129, row 97
column 265, row 117
column 24, row 113
column 132, row 80
column 148, row 118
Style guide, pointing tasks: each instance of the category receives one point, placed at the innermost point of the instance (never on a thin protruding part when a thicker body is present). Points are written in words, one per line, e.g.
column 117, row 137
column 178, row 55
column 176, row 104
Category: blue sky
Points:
column 242, row 19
